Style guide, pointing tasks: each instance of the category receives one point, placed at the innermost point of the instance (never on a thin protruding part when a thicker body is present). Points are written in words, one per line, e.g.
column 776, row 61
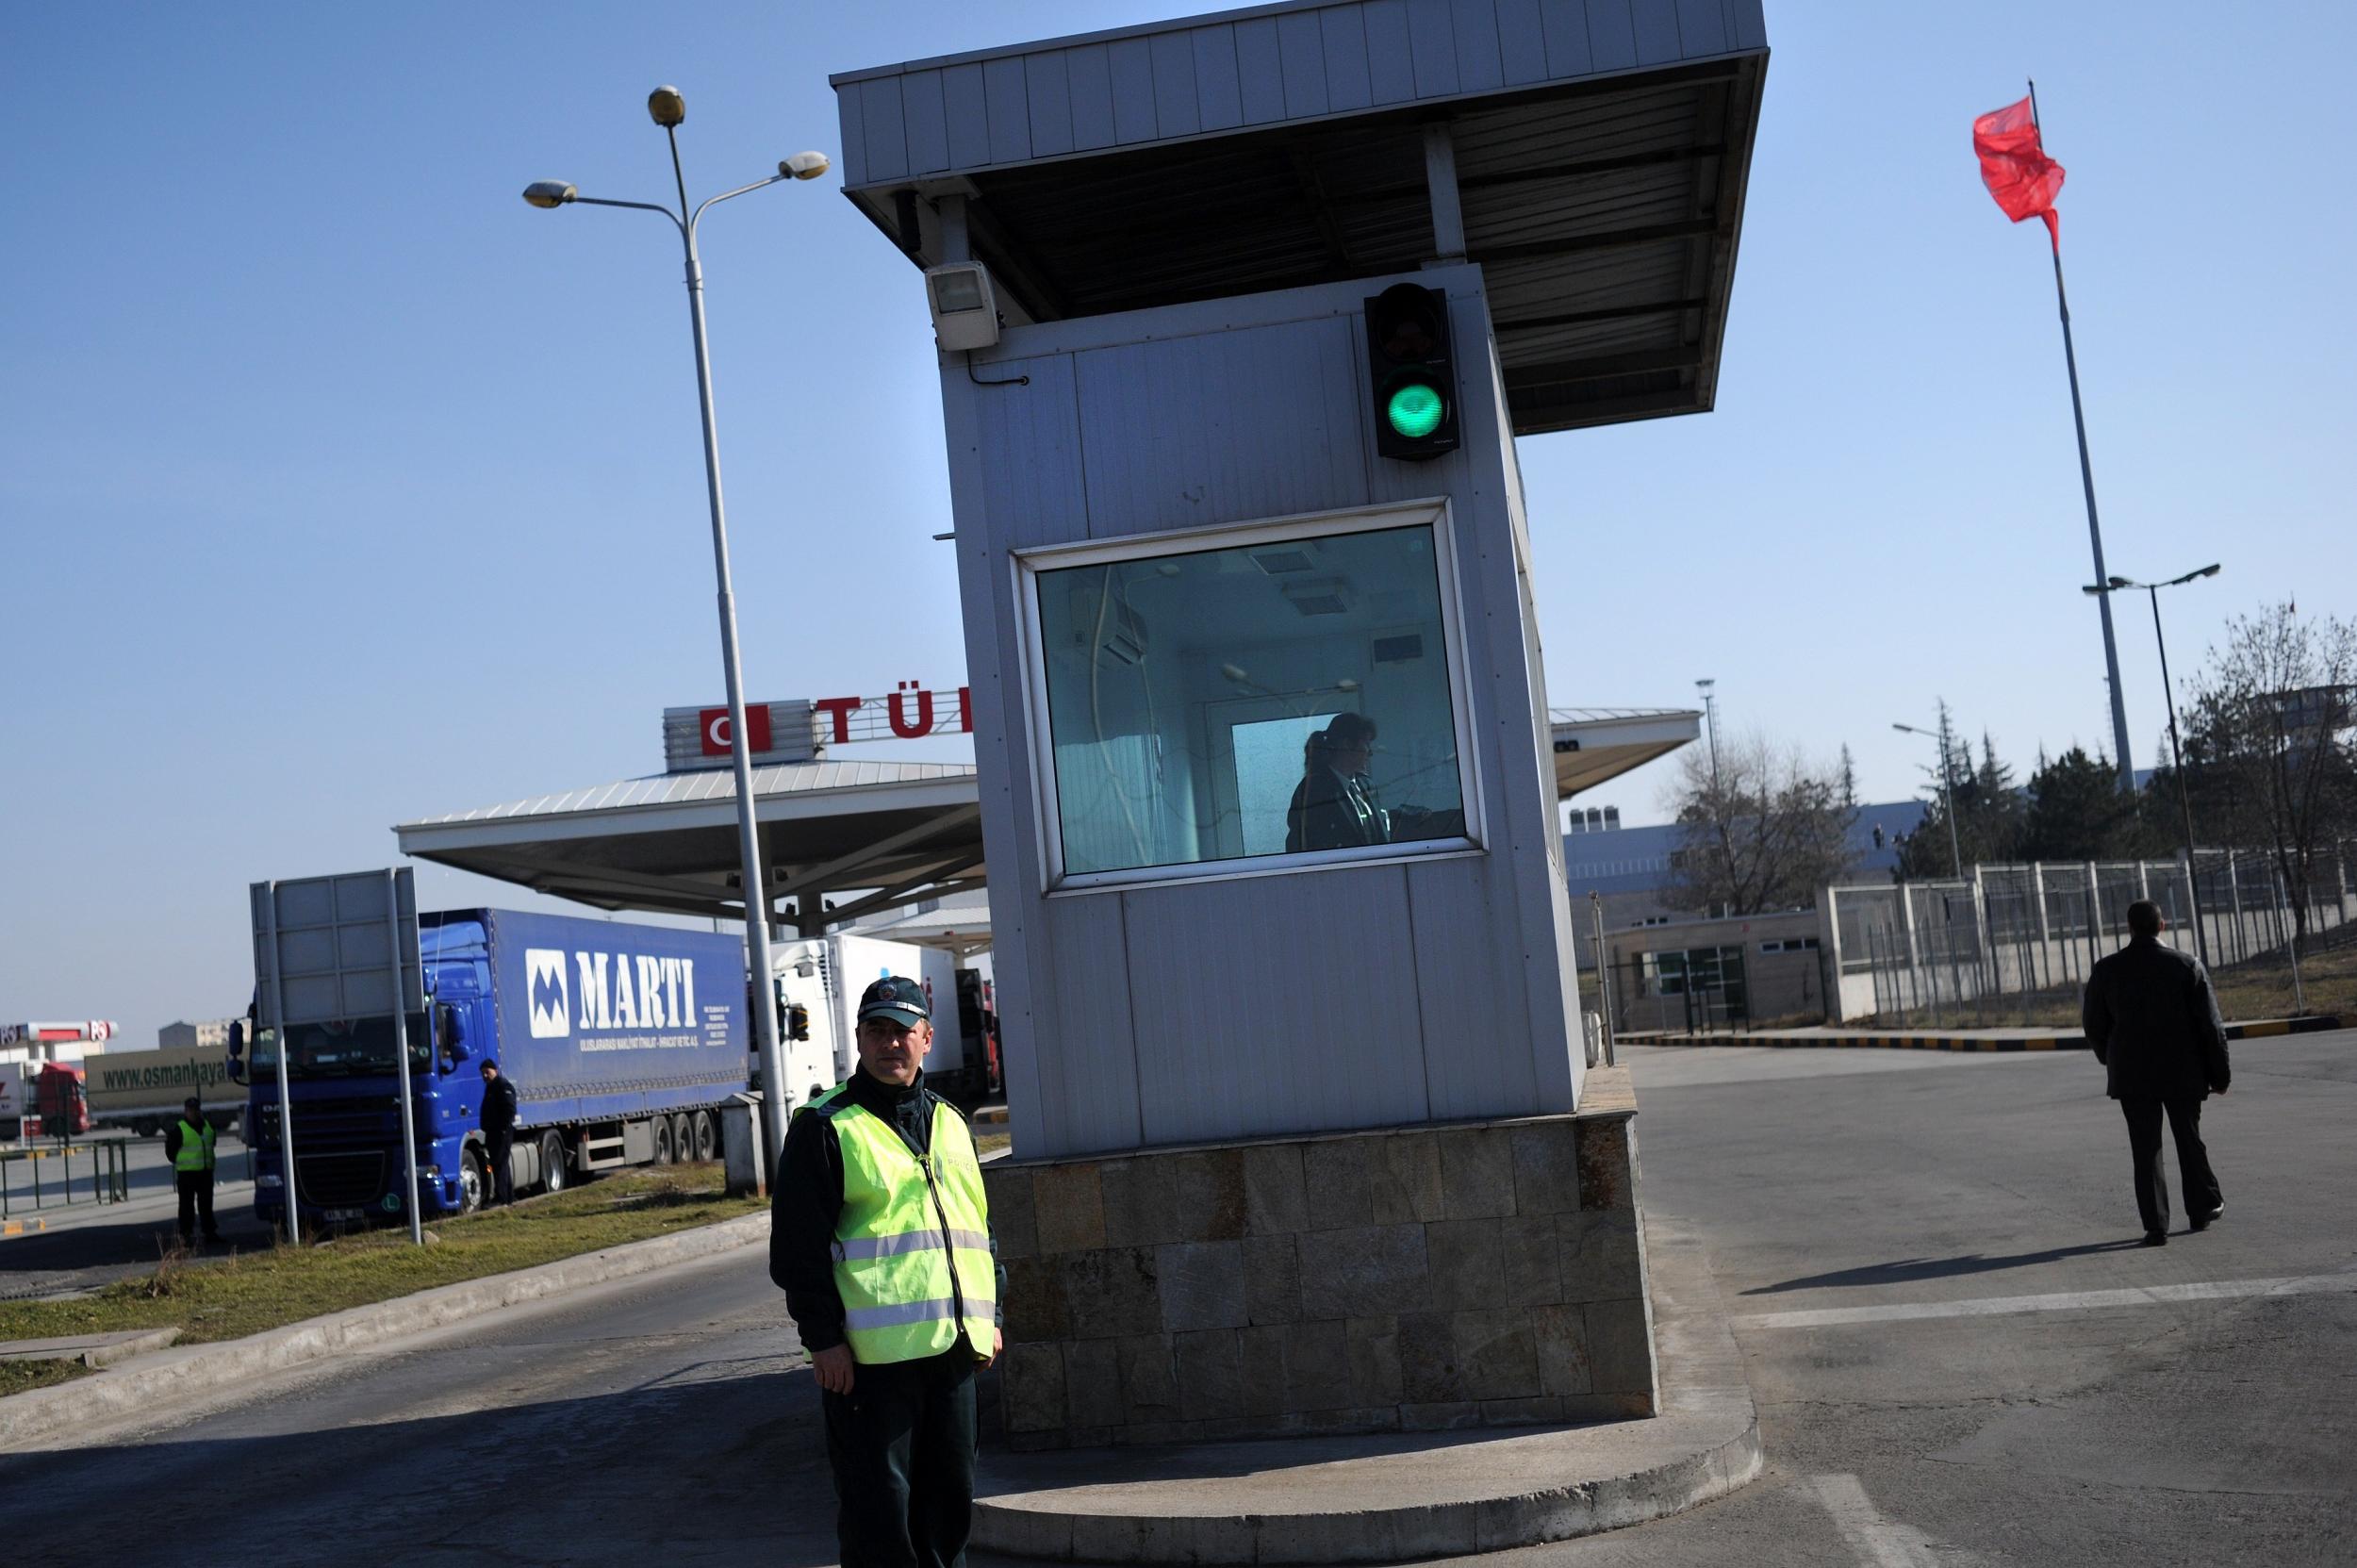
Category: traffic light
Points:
column 1407, row 364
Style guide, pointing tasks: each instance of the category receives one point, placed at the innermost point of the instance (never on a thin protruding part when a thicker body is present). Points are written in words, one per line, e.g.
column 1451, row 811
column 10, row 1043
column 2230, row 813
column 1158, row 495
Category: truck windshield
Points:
column 352, row 1050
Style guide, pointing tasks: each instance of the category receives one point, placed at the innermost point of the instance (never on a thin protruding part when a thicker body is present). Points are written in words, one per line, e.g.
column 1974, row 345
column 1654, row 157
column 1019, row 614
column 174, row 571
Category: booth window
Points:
column 1282, row 694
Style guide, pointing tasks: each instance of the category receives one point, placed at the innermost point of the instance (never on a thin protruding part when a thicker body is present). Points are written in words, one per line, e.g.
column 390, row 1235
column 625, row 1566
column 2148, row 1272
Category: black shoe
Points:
column 2155, row 1238
column 2201, row 1222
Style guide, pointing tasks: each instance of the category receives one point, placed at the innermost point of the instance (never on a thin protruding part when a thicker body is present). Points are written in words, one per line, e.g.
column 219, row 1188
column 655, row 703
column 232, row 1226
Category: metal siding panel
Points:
column 1432, row 47
column 1219, row 426
column 1702, row 27
column 1301, row 60
column 1522, row 42
column 1343, row 32
column 1093, row 1098
column 1747, row 23
column 1219, row 96
column 1008, row 102
column 1176, row 110
column 928, row 126
column 848, row 115
column 1261, row 70
column 1656, row 22
column 1566, row 24
column 1390, row 59
column 1029, row 441
column 1049, row 88
column 1611, row 36
column 886, row 134
column 1091, row 83
column 1313, row 969
column 1475, row 26
column 1469, row 994
column 1132, row 60
column 969, row 121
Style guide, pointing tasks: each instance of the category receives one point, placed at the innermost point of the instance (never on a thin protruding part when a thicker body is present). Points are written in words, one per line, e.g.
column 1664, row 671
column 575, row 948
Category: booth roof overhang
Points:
column 871, row 837
column 1601, row 149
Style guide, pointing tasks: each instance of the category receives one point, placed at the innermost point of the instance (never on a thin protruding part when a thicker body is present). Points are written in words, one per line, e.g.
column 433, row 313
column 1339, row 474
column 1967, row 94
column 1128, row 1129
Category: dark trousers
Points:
column 2193, row 1161
column 196, row 1203
column 901, row 1444
column 496, row 1147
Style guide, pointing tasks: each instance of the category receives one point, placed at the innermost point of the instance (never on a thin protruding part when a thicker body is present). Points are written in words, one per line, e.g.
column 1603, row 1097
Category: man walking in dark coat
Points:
column 2153, row 1023
column 498, row 1121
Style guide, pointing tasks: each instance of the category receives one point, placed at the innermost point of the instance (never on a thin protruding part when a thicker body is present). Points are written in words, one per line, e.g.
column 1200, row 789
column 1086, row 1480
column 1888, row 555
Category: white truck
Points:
column 144, row 1090
column 819, row 981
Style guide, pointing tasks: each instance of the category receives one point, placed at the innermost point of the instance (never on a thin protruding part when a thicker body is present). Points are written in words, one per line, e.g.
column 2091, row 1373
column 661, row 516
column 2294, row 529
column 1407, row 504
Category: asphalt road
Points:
column 672, row 1420
column 85, row 1242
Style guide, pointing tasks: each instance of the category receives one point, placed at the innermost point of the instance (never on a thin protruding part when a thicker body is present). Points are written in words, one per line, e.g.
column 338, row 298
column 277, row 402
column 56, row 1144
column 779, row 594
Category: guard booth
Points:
column 1240, row 318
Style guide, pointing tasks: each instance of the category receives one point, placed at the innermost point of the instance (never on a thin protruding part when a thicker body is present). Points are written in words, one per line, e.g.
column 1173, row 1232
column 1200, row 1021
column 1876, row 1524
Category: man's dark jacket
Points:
column 499, row 1105
column 806, row 1203
column 2153, row 1023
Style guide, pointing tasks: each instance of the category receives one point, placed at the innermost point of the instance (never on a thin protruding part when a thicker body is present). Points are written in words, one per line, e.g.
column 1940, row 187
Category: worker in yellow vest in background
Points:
column 189, row 1145
column 880, row 1237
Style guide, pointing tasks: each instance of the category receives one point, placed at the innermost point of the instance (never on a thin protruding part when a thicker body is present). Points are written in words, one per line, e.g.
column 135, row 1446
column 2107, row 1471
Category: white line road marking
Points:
column 1879, row 1542
column 2000, row 1306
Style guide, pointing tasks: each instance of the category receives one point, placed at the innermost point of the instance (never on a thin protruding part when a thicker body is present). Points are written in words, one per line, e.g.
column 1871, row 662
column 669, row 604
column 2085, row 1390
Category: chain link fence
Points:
column 1957, row 950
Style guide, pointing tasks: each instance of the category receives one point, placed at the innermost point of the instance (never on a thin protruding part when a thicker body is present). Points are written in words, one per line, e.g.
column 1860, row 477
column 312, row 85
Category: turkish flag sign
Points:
column 2014, row 166
column 715, row 727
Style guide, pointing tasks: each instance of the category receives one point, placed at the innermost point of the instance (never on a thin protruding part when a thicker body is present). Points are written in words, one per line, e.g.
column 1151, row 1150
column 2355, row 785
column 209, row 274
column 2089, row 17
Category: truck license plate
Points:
column 346, row 1216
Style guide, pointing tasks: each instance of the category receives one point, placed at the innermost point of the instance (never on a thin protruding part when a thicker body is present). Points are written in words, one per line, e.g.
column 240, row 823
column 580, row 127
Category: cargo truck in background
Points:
column 144, row 1090
column 624, row 1043
column 42, row 1099
column 819, row 981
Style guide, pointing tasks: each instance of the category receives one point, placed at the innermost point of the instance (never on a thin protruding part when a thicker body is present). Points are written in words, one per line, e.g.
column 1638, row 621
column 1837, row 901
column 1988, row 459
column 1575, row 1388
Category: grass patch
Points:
column 247, row 1292
column 985, row 1142
column 2245, row 992
column 16, row 1377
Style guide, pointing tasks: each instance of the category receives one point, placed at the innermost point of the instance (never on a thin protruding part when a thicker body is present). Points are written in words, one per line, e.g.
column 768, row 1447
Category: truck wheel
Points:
column 662, row 1140
column 552, row 1163
column 706, row 1136
column 684, row 1137
column 472, row 1182
column 145, row 1127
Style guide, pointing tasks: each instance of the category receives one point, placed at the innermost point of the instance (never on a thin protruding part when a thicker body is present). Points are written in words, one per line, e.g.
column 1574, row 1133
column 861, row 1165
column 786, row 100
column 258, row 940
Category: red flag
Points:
column 2015, row 168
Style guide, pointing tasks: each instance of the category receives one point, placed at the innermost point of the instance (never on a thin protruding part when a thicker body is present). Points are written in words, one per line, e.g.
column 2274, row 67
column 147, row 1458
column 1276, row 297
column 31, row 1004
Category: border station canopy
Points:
column 1595, row 157
column 894, row 833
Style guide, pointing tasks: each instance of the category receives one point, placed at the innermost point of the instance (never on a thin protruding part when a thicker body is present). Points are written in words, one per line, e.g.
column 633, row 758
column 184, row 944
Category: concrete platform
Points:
column 92, row 1350
column 1399, row 1496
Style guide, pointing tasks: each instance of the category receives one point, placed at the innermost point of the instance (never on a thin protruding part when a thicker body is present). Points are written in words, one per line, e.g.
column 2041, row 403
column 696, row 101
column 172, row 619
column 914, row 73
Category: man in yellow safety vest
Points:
column 880, row 1237
column 189, row 1145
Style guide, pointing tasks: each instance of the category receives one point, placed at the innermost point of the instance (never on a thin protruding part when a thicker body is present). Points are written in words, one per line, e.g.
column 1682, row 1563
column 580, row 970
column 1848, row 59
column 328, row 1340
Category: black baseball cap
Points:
column 897, row 998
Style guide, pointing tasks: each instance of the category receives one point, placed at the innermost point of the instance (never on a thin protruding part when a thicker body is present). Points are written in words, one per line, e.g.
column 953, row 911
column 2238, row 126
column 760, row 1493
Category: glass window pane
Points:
column 1287, row 695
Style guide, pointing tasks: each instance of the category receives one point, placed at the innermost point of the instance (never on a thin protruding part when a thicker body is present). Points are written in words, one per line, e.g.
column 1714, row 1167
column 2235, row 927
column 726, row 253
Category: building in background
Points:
column 203, row 1034
column 1631, row 867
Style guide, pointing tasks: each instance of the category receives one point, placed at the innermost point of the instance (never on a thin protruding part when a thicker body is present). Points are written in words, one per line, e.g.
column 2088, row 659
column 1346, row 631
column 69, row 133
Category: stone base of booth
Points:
column 1401, row 1279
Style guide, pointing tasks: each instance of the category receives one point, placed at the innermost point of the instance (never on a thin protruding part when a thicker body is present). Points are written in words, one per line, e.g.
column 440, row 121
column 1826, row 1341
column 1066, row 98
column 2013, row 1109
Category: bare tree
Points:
column 2266, row 754
column 1762, row 830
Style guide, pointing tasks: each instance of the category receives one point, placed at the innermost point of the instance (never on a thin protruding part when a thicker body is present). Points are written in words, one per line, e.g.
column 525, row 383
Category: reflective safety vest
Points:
column 196, row 1147
column 912, row 1248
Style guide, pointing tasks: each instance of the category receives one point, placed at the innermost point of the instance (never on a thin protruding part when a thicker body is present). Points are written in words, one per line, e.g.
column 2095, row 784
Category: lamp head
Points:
column 2118, row 583
column 665, row 106
column 2210, row 570
column 2094, row 591
column 549, row 193
column 804, row 166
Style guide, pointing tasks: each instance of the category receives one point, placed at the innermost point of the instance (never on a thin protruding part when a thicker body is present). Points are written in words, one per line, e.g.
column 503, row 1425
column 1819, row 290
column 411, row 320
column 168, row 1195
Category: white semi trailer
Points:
column 819, row 981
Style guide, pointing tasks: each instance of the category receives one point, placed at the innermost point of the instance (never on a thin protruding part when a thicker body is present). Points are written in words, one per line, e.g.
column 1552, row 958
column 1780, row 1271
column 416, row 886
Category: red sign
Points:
column 716, row 729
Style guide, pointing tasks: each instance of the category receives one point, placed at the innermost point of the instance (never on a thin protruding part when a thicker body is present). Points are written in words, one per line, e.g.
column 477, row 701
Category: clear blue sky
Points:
column 339, row 488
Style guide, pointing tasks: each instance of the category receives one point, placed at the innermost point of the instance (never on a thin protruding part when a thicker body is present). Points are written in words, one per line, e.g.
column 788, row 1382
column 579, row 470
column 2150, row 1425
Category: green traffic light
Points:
column 1415, row 410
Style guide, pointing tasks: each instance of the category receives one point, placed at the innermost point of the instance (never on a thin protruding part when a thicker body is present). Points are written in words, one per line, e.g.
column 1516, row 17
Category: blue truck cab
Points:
column 623, row 1041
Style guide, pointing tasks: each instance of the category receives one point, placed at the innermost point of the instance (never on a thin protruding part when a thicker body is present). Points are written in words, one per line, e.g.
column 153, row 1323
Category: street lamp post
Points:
column 2176, row 750
column 668, row 108
column 1947, row 790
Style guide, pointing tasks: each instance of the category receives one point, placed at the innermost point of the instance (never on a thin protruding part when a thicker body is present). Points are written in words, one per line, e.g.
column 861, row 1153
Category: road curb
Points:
column 177, row 1374
column 2258, row 1029
column 1390, row 1498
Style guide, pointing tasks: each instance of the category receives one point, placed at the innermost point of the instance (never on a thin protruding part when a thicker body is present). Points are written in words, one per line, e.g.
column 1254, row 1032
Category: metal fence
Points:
column 1956, row 949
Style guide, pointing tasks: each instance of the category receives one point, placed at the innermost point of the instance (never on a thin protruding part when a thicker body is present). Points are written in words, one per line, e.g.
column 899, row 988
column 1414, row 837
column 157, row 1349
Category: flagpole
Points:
column 2094, row 529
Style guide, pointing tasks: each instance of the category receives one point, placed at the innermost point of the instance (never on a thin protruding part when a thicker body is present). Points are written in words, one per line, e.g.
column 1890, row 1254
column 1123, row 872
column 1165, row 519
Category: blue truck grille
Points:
column 340, row 1181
